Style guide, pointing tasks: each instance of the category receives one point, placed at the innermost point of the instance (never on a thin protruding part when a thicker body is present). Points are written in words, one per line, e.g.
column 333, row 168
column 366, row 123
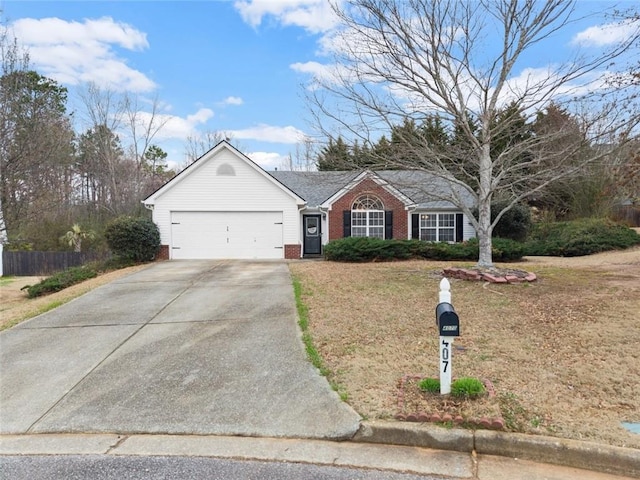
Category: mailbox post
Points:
column 449, row 328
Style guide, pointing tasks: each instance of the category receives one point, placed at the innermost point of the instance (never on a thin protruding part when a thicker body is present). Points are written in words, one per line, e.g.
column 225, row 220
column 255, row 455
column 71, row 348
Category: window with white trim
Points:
column 367, row 217
column 438, row 227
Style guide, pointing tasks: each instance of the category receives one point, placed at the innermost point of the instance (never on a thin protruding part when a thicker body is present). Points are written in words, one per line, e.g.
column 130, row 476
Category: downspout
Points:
column 410, row 211
column 324, row 215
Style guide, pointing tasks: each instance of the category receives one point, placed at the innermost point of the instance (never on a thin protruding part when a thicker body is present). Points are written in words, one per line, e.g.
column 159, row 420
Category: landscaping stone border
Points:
column 496, row 423
column 506, row 276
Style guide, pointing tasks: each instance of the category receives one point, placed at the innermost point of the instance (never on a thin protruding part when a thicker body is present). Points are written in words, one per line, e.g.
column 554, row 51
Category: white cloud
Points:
column 268, row 133
column 74, row 52
column 175, row 127
column 268, row 160
column 607, row 34
column 316, row 69
column 49, row 31
column 314, row 16
column 201, row 116
column 233, row 101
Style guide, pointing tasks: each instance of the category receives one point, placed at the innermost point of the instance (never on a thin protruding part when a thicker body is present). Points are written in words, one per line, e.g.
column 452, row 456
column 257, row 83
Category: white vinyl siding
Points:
column 208, row 189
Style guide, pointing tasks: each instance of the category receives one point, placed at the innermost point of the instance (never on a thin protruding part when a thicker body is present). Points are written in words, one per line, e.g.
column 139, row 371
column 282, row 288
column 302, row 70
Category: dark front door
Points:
column 312, row 235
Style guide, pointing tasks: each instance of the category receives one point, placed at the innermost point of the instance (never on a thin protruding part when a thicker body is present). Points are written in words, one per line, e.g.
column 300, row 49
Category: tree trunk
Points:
column 485, row 259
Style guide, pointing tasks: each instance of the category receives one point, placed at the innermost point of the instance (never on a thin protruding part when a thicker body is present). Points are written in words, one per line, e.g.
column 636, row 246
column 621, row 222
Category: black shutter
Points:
column 415, row 226
column 346, row 223
column 388, row 224
column 459, row 227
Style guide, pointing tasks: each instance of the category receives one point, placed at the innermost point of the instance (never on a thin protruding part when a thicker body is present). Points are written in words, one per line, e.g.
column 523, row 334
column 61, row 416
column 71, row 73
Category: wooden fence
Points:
column 627, row 214
column 43, row 263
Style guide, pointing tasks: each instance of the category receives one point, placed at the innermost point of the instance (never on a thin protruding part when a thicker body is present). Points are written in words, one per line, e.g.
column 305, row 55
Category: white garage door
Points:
column 226, row 235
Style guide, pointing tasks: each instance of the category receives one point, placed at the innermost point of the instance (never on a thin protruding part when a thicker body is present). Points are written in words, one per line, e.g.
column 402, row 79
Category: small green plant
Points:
column 467, row 387
column 430, row 385
column 76, row 235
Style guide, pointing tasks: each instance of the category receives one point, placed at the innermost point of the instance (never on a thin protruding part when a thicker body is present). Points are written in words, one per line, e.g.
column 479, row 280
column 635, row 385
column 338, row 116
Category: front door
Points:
column 312, row 235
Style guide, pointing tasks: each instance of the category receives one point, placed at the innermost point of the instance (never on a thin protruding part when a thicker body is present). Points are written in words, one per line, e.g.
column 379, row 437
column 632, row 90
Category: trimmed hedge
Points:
column 134, row 239
column 579, row 237
column 365, row 249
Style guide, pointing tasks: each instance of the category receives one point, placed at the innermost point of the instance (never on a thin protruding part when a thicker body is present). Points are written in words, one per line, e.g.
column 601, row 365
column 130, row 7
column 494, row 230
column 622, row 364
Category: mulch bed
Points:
column 414, row 405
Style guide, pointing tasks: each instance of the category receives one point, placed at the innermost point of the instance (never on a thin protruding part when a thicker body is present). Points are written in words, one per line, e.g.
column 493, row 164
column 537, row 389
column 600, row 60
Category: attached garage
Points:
column 237, row 235
column 225, row 206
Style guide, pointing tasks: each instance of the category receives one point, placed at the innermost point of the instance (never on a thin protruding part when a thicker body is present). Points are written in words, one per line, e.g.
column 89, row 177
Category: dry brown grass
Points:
column 15, row 306
column 563, row 353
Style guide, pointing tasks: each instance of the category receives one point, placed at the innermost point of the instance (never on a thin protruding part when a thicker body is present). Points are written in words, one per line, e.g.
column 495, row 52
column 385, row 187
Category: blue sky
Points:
column 232, row 66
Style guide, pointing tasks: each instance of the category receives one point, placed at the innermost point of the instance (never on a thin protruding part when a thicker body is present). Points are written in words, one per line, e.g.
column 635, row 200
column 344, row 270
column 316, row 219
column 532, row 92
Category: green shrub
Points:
column 364, row 249
column 60, row 281
column 430, row 385
column 467, row 387
column 506, row 250
column 447, row 251
column 135, row 239
column 515, row 224
column 579, row 237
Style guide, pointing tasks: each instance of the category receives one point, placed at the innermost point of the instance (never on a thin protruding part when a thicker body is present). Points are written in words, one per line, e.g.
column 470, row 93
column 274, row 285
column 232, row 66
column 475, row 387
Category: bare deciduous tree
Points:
column 304, row 157
column 104, row 113
column 408, row 60
column 198, row 145
column 143, row 128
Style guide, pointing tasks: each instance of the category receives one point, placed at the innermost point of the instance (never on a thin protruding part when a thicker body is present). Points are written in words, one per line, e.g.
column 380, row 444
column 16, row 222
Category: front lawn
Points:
column 562, row 353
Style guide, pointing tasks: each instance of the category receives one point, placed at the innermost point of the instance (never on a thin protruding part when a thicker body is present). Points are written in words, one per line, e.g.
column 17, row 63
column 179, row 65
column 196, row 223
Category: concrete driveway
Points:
column 197, row 347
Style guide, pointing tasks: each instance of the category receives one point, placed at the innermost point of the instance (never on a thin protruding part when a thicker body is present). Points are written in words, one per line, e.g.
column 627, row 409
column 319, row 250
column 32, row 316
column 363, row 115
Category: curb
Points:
column 556, row 451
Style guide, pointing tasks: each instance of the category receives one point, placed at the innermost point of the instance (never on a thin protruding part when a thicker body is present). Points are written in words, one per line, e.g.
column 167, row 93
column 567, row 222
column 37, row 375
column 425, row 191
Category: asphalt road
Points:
column 172, row 468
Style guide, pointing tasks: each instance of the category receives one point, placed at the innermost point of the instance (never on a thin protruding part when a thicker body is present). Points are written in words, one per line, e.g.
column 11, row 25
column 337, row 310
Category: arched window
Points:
column 367, row 217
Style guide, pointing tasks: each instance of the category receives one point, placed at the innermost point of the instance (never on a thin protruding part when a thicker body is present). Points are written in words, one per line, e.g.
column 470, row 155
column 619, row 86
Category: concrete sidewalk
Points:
column 189, row 347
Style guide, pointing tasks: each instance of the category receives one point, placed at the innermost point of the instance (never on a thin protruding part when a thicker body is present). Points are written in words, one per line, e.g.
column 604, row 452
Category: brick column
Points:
column 163, row 254
column 292, row 251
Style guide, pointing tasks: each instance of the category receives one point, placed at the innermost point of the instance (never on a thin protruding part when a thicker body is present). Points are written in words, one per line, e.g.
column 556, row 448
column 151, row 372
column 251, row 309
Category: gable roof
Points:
column 417, row 188
column 315, row 187
column 222, row 145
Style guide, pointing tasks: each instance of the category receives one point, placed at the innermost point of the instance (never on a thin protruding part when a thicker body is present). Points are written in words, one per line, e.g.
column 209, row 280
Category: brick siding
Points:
column 163, row 254
column 292, row 251
column 390, row 202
